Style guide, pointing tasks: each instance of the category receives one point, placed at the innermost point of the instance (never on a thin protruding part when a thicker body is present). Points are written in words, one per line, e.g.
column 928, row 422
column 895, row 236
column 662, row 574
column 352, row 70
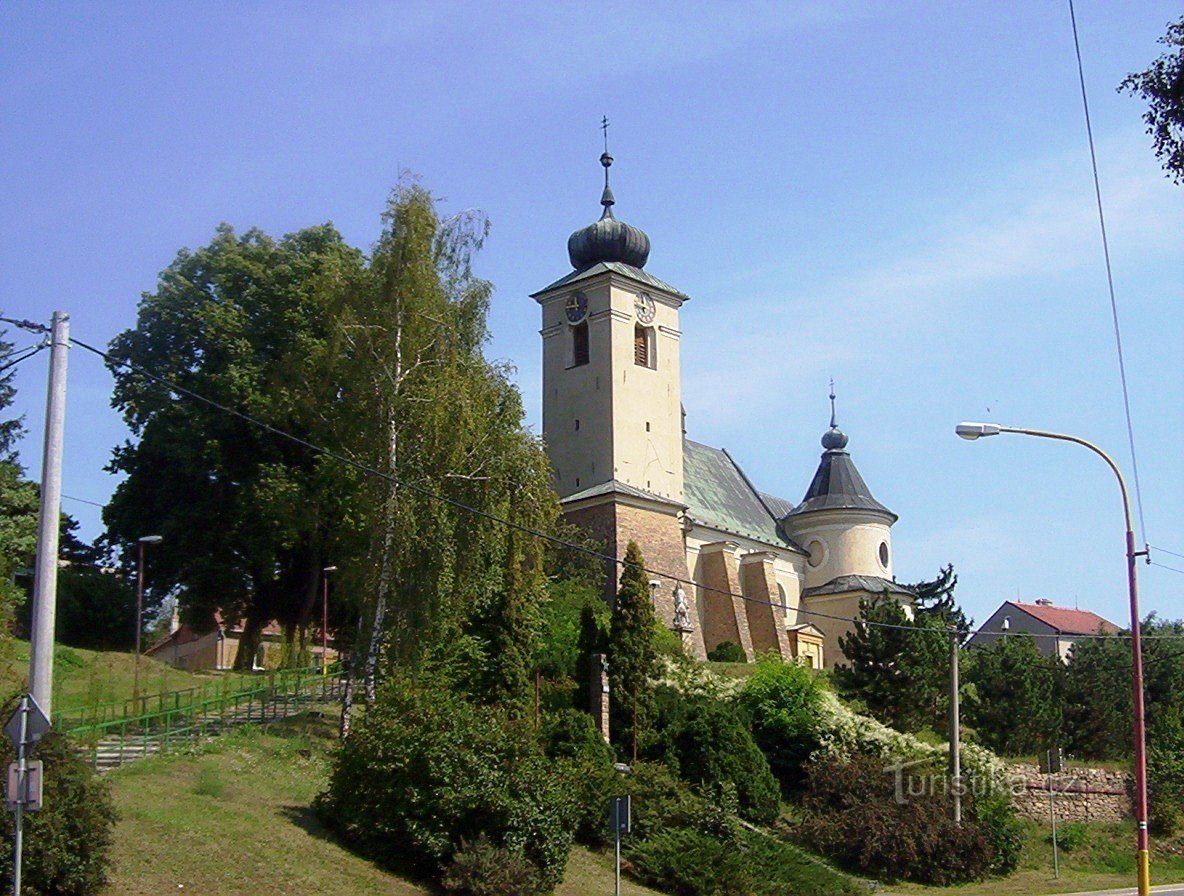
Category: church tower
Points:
column 612, row 405
column 611, row 369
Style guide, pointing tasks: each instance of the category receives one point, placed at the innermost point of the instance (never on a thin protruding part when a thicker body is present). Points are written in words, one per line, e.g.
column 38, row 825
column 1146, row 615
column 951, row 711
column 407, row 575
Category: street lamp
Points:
column 972, row 431
column 325, row 619
column 143, row 540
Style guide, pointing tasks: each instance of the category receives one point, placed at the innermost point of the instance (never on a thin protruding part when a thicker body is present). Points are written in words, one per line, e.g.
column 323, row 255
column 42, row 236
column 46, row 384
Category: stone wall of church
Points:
column 659, row 535
column 766, row 618
column 722, row 613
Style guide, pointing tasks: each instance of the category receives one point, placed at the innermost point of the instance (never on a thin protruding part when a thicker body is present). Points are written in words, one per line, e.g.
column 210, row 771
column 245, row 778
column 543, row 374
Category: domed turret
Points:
column 608, row 239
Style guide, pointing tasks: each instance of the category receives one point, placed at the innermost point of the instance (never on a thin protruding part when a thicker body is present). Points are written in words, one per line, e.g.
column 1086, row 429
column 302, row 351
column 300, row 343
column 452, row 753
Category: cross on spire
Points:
column 832, row 403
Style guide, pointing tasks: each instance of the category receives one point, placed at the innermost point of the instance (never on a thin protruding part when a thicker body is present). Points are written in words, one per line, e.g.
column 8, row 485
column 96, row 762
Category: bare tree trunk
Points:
column 347, row 695
column 248, row 644
column 392, row 503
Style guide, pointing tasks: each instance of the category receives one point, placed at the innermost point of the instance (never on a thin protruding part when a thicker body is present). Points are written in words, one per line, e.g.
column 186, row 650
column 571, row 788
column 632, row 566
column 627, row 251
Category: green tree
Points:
column 1017, row 698
column 246, row 516
column 935, row 599
column 632, row 652
column 784, row 704
column 420, row 403
column 1099, row 701
column 1162, row 87
column 896, row 666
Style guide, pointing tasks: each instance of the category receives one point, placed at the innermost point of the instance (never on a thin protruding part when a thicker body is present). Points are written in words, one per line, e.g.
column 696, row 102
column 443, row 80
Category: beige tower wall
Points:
column 843, row 543
column 630, row 416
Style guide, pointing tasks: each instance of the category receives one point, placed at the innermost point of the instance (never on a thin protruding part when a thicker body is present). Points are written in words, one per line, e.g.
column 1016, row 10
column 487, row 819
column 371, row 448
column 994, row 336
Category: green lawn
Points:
column 232, row 818
column 86, row 677
column 1102, row 859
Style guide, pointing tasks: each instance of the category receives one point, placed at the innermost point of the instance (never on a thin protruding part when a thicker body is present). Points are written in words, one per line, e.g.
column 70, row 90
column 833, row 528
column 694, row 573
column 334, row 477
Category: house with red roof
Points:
column 1054, row 629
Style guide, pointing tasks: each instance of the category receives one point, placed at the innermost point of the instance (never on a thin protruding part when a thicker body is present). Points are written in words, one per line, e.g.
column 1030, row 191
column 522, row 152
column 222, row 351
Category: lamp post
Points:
column 325, row 618
column 143, row 540
column 972, row 431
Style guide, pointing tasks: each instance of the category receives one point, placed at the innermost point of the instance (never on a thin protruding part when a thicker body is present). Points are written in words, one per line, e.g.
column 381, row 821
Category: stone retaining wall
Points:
column 1081, row 794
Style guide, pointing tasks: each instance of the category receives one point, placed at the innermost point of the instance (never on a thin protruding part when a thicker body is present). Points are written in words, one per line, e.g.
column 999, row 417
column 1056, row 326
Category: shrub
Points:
column 852, row 815
column 687, row 862
column 707, row 743
column 727, row 652
column 68, row 842
column 784, row 702
column 428, row 773
column 1165, row 773
column 482, row 869
column 570, row 736
column 691, row 863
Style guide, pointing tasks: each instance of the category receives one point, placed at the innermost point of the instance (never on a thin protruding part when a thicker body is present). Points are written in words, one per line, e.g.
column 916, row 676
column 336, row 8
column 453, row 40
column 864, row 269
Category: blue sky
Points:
column 894, row 195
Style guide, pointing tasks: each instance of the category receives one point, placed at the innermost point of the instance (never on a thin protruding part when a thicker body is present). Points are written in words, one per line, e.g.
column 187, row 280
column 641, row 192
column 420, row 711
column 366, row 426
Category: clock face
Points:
column 644, row 306
column 576, row 308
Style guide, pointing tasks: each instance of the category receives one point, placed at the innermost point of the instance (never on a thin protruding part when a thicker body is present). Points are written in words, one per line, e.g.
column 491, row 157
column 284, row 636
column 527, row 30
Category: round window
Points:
column 817, row 553
column 884, row 554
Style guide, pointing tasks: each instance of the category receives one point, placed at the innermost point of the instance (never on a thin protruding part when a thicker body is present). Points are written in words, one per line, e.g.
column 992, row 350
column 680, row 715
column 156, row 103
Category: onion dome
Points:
column 608, row 239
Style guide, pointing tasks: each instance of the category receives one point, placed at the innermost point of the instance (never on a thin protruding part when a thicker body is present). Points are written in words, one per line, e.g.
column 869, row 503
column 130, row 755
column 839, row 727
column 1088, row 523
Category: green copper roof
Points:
column 719, row 496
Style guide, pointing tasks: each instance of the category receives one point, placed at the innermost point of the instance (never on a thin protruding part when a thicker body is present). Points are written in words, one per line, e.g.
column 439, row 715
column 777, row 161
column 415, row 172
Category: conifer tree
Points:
column 632, row 652
column 898, row 667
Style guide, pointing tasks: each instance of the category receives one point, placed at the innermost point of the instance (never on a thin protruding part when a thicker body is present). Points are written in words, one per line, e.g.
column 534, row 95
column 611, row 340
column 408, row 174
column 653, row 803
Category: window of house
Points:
column 644, row 350
column 579, row 345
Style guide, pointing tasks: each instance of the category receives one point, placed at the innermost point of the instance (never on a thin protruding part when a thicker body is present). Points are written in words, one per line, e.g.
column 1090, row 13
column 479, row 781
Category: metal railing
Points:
column 167, row 721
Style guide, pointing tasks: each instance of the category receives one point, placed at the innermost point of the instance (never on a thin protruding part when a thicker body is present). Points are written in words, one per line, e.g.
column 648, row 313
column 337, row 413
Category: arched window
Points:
column 579, row 344
column 645, row 352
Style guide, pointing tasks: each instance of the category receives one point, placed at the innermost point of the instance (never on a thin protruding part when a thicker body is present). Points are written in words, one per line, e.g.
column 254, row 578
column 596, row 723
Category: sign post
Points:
column 621, row 821
column 24, row 728
column 1052, row 762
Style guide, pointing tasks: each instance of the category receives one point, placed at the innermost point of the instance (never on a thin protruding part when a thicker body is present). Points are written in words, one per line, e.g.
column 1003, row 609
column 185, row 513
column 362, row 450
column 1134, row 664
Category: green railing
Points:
column 176, row 718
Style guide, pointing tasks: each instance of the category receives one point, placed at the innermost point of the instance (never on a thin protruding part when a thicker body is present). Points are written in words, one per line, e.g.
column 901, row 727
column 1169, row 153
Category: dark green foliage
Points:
column 431, row 773
column 68, row 842
column 96, row 609
column 900, row 674
column 783, row 701
column 1098, row 703
column 569, row 736
column 243, row 513
column 1017, row 696
column 852, row 815
column 1165, row 772
column 12, row 427
column 707, row 742
column 935, row 599
column 574, row 626
column 572, row 734
column 482, row 869
column 693, row 863
column 632, row 653
column 1162, row 86
column 727, row 652
column 687, row 862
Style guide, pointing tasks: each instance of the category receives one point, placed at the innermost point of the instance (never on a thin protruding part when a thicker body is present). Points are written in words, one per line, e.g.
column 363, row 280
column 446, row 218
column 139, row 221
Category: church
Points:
column 728, row 562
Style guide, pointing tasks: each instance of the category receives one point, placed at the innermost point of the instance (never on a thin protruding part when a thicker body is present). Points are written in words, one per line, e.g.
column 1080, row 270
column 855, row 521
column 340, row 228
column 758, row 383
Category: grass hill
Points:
column 86, row 677
column 232, row 818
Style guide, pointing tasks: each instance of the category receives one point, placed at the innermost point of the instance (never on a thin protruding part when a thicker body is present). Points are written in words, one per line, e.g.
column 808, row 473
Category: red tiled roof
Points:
column 1069, row 622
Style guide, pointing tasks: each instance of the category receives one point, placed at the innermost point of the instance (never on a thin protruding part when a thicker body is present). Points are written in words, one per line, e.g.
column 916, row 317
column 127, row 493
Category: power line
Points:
column 1162, row 566
column 1165, row 551
column 84, row 501
column 526, row 530
column 24, row 355
column 1093, row 160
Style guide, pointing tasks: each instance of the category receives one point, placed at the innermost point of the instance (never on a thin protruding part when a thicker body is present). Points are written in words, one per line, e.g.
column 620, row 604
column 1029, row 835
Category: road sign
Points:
column 620, row 815
column 32, row 795
column 36, row 727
